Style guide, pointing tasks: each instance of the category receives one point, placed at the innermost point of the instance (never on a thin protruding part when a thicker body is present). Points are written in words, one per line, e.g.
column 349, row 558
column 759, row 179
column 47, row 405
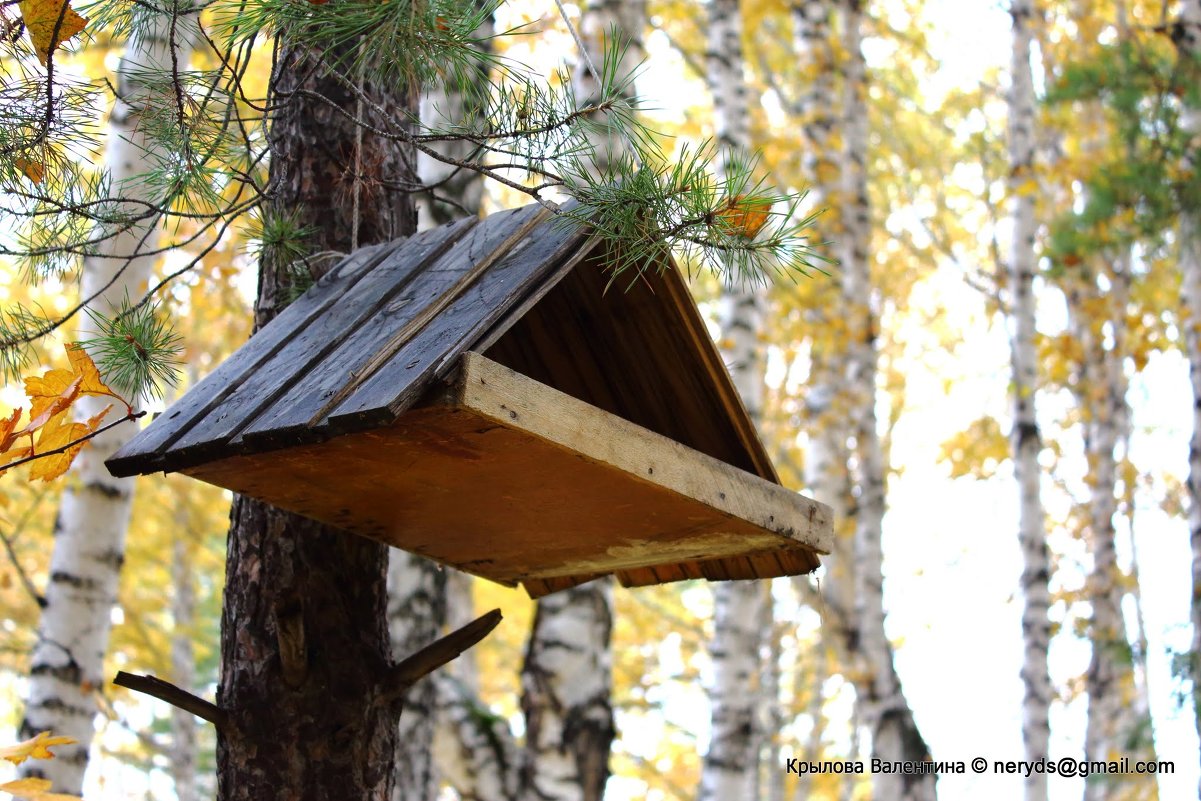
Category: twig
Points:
column 181, row 699
column 129, row 416
column 26, row 581
column 433, row 656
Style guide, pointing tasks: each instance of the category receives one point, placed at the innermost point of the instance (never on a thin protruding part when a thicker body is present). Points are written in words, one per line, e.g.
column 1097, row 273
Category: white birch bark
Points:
column 567, row 675
column 89, row 546
column 416, row 612
column 1027, row 440
column 886, row 711
column 731, row 764
column 183, row 665
column 1188, row 40
column 418, row 603
column 454, row 193
column 474, row 750
column 1117, row 724
column 566, row 682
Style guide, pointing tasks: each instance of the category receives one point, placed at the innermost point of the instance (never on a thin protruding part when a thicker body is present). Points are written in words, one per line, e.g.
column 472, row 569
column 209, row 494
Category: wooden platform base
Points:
column 508, row 479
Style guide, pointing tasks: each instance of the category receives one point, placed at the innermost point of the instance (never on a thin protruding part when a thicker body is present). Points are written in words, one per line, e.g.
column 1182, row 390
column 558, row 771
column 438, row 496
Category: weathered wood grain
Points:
column 401, row 380
column 307, row 351
column 143, row 453
column 296, row 415
column 633, row 352
column 509, row 398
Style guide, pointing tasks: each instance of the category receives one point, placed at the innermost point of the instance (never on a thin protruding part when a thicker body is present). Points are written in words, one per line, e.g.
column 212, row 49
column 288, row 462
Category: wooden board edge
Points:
column 497, row 393
column 680, row 299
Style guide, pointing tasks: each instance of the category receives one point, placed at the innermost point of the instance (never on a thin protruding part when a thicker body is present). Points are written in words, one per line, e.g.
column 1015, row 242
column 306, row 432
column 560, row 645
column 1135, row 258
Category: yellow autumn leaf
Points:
column 83, row 366
column 50, row 394
column 26, row 787
column 35, row 789
column 744, row 217
column 58, row 432
column 50, row 23
column 1027, row 188
column 35, row 171
column 8, row 430
column 37, row 747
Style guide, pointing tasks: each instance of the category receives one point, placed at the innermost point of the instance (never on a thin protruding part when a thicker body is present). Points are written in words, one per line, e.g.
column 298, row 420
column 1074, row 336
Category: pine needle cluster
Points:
column 206, row 139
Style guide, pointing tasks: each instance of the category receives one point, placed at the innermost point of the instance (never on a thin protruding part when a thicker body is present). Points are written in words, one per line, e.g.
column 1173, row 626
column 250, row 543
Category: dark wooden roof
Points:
column 385, row 330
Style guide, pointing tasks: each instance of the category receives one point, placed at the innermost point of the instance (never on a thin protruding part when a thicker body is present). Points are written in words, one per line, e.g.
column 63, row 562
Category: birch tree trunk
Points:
column 183, row 666
column 1118, row 724
column 67, row 663
column 416, row 614
column 474, row 750
column 886, row 711
column 1187, row 36
column 302, row 727
column 566, row 682
column 731, row 765
column 1027, row 440
column 417, row 597
column 566, row 679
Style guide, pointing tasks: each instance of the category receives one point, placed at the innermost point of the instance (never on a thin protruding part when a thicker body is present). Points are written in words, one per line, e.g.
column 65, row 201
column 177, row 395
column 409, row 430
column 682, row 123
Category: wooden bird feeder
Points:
column 474, row 395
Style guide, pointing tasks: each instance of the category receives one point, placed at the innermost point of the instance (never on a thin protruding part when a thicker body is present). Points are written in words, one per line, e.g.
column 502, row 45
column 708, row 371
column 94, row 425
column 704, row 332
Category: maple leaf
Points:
column 37, row 747
column 35, row 789
column 50, row 23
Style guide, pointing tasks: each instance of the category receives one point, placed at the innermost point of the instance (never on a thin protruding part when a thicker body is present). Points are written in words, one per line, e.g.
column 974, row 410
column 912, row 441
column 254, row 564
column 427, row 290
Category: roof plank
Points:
column 307, row 350
column 141, row 454
column 467, row 318
column 297, row 415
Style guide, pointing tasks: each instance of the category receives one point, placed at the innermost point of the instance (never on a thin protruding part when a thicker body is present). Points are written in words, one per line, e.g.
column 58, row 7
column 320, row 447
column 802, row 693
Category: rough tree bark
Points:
column 885, row 709
column 305, row 649
column 1027, row 439
column 89, row 533
column 1187, row 36
column 731, row 764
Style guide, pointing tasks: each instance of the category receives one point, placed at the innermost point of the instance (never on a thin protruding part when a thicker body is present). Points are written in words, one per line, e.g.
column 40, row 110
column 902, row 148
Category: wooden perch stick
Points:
column 166, row 691
column 438, row 653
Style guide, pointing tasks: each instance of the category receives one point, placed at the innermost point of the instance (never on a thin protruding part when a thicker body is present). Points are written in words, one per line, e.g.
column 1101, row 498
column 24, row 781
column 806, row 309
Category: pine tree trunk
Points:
column 304, row 642
column 895, row 736
column 67, row 664
column 1027, row 440
column 1188, row 40
column 731, row 765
